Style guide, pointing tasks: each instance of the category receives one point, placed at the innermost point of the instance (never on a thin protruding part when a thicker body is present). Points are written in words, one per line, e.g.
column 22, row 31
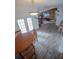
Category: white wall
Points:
column 21, row 13
column 59, row 17
column 16, row 26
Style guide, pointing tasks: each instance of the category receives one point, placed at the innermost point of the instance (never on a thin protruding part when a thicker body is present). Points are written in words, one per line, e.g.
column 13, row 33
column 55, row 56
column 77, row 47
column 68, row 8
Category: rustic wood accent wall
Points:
column 51, row 13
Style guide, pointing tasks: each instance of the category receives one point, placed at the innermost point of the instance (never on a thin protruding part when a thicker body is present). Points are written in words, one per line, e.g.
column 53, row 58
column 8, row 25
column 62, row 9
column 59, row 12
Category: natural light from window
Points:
column 30, row 25
column 22, row 25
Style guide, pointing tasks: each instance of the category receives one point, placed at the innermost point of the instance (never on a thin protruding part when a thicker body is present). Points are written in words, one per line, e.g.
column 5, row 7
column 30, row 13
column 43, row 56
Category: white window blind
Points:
column 22, row 25
column 30, row 25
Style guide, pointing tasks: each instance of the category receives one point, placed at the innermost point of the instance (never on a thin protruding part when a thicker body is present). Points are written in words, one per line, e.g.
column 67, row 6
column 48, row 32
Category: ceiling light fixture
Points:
column 33, row 9
column 34, row 13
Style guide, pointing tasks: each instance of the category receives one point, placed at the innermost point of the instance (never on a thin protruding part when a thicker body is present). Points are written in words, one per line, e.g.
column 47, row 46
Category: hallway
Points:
column 48, row 42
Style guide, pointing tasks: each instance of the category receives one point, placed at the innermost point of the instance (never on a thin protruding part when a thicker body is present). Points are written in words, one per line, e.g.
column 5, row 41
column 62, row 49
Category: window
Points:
column 22, row 25
column 30, row 25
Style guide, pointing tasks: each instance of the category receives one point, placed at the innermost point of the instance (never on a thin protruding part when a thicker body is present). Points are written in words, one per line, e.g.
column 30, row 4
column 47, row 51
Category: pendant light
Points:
column 33, row 9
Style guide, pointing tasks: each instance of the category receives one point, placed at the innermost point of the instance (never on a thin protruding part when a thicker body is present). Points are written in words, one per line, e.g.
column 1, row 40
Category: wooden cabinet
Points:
column 29, row 53
column 24, row 45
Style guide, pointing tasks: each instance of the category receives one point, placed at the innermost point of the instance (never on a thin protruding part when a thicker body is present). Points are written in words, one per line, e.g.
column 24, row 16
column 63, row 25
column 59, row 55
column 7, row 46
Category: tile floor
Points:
column 48, row 44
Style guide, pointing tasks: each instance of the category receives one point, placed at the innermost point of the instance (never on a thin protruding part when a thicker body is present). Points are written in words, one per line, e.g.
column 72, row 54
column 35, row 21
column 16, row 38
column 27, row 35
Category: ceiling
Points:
column 25, row 6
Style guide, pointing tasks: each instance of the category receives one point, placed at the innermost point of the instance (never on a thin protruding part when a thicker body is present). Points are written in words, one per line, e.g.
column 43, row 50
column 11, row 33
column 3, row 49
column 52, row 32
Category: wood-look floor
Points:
column 48, row 42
